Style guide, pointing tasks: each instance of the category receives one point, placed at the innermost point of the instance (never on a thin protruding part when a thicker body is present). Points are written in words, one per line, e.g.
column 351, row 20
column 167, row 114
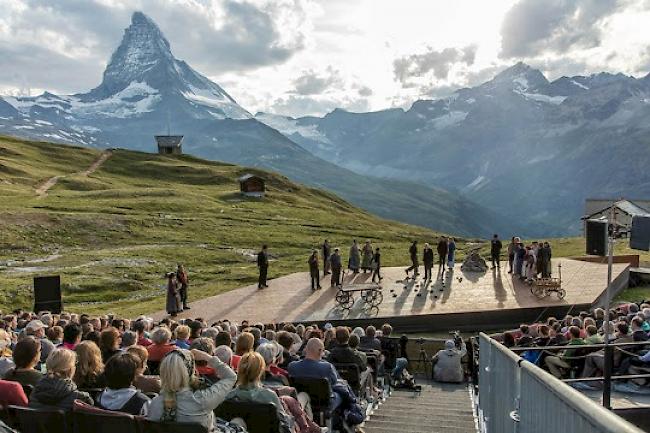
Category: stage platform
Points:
column 460, row 300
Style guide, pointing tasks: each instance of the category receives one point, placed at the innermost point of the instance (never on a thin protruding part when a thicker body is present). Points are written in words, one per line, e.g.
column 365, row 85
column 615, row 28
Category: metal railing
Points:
column 515, row 396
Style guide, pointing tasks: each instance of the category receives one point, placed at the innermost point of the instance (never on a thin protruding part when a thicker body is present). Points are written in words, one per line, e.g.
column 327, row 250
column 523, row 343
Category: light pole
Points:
column 607, row 374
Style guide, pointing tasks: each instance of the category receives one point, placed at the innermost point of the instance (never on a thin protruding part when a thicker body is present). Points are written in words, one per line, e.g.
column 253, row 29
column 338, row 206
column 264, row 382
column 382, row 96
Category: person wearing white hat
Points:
column 447, row 365
column 36, row 328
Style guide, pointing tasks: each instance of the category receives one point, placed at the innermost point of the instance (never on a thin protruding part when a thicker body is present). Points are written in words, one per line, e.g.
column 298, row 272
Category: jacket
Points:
column 427, row 257
column 197, row 406
column 344, row 354
column 442, row 249
column 56, row 392
column 262, row 259
column 127, row 400
column 258, row 394
column 447, row 365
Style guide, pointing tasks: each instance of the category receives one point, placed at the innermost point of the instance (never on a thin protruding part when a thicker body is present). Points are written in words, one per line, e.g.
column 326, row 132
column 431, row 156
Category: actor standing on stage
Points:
column 495, row 251
column 263, row 265
column 335, row 262
column 376, row 263
column 326, row 257
column 443, row 248
column 183, row 281
column 313, row 270
column 451, row 253
column 427, row 260
column 413, row 253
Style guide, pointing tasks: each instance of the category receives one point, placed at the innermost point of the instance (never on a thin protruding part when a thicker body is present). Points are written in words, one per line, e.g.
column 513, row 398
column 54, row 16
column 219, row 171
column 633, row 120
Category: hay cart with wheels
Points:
column 543, row 287
column 370, row 293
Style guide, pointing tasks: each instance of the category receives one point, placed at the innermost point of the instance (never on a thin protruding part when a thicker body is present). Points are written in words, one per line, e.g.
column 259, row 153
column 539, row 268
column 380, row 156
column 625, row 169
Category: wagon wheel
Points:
column 561, row 293
column 366, row 295
column 344, row 299
column 377, row 298
column 372, row 311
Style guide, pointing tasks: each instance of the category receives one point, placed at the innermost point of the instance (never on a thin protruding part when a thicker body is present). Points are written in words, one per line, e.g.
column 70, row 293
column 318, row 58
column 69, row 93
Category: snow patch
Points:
column 538, row 97
column 289, row 126
column 470, row 100
column 450, row 119
column 211, row 99
column 522, row 83
column 582, row 86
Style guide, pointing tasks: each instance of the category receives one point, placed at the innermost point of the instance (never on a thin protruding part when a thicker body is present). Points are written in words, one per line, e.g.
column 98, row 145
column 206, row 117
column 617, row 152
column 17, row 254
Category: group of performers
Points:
column 446, row 250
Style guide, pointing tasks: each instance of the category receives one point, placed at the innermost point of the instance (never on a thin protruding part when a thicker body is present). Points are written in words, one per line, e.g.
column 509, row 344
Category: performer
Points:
column 413, row 252
column 376, row 262
column 427, row 260
column 366, row 261
column 355, row 257
column 313, row 270
column 512, row 246
column 173, row 304
column 495, row 251
column 451, row 254
column 335, row 261
column 442, row 254
column 182, row 280
column 326, row 257
column 263, row 265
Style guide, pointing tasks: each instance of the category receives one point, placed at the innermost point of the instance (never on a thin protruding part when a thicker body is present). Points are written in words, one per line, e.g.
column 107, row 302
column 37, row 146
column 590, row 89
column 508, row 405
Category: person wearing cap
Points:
column 314, row 272
column 447, row 366
column 36, row 329
column 335, row 262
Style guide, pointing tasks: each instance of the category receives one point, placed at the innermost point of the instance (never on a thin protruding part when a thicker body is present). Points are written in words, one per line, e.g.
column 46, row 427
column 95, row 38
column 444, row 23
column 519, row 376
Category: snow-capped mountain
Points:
column 145, row 90
column 517, row 142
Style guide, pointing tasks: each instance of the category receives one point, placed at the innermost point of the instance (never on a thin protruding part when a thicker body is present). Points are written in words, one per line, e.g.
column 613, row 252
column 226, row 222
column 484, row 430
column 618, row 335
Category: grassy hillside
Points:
column 113, row 234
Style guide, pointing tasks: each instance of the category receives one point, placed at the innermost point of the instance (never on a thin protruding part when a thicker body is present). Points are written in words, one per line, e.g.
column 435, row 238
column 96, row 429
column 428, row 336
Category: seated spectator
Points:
column 509, row 340
column 557, row 363
column 224, row 353
column 525, row 338
column 210, row 333
column 129, row 338
column 36, row 329
column 223, row 338
column 342, row 353
column 90, row 367
column 593, row 337
column 595, row 361
column 120, row 395
column 92, row 336
column 182, row 337
column 26, row 355
column 557, row 336
column 180, row 401
column 370, row 341
column 6, row 361
column 544, row 336
column 286, row 341
column 249, row 388
column 447, row 363
column 268, row 351
column 314, row 367
column 637, row 365
column 161, row 345
column 206, row 345
column 55, row 335
column 12, row 393
column 71, row 336
column 56, row 389
column 109, row 343
column 142, row 382
column 245, row 344
column 638, row 334
column 196, row 326
column 140, row 327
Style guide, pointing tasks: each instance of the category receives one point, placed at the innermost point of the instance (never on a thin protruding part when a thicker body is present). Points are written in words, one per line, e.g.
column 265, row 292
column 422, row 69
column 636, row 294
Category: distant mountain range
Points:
column 145, row 88
column 517, row 144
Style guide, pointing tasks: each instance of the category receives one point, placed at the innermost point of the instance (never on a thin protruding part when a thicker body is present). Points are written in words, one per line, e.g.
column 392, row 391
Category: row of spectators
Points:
column 628, row 323
column 182, row 370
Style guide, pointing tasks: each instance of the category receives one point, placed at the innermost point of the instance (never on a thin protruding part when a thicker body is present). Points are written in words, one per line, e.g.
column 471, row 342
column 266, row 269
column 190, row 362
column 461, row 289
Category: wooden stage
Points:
column 460, row 300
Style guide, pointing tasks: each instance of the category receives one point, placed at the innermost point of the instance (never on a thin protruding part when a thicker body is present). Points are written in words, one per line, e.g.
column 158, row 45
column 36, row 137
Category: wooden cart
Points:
column 370, row 293
column 543, row 287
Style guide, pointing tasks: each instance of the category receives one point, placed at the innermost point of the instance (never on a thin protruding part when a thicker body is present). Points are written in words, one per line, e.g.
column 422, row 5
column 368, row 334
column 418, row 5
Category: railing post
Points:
column 607, row 376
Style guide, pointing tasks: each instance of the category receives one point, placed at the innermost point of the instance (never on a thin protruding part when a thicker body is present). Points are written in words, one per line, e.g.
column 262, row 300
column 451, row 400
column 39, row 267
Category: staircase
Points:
column 438, row 408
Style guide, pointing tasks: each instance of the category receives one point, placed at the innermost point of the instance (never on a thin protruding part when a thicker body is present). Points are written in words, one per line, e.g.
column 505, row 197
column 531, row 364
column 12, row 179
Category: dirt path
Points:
column 42, row 190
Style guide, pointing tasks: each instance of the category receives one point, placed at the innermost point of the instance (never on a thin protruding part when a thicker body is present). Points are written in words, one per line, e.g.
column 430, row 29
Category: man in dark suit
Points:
column 326, row 257
column 263, row 265
column 495, row 251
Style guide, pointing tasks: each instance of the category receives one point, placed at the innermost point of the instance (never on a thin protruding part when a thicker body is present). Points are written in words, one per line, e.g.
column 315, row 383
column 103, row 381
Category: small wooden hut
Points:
column 170, row 144
column 251, row 185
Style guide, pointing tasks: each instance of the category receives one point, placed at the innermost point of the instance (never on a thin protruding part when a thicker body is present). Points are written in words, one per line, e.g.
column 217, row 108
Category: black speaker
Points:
column 640, row 233
column 596, row 234
column 47, row 294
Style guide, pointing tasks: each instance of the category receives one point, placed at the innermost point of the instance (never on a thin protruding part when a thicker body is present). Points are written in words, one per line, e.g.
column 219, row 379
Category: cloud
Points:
column 533, row 27
column 439, row 63
column 365, row 91
column 215, row 36
column 312, row 83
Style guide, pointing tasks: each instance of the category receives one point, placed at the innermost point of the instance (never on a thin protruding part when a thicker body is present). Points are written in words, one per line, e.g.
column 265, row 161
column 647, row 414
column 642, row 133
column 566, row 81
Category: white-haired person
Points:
column 180, row 399
column 269, row 352
column 56, row 389
column 447, row 365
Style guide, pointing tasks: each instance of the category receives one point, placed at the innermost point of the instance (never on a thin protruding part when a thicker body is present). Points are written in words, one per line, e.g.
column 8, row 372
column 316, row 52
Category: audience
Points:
column 26, row 356
column 161, row 345
column 447, row 366
column 109, row 342
column 90, row 367
column 146, row 384
column 120, row 395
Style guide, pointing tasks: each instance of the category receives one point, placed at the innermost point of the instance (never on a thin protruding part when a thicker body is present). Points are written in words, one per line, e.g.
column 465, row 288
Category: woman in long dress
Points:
column 531, row 264
column 355, row 257
column 173, row 295
column 451, row 253
column 366, row 261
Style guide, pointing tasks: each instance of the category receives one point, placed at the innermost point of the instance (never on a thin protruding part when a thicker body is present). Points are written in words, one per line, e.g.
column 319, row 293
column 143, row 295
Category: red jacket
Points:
column 12, row 393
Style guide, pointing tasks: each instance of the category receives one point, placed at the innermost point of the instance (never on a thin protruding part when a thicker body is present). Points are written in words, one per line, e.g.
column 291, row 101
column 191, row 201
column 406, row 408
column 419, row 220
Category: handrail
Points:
column 577, row 346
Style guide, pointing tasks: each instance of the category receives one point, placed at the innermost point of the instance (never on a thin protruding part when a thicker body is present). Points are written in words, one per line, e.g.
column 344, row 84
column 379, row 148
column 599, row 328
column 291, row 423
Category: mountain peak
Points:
column 521, row 76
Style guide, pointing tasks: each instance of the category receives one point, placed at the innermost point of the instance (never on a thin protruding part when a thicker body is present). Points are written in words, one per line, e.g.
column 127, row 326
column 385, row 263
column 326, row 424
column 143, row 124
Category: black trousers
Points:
column 496, row 258
column 414, row 266
column 262, row 280
column 315, row 278
column 375, row 273
column 427, row 270
column 326, row 265
column 336, row 276
column 183, row 293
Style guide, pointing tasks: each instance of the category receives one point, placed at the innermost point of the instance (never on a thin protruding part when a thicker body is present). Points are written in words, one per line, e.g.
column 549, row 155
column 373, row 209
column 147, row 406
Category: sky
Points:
column 308, row 57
